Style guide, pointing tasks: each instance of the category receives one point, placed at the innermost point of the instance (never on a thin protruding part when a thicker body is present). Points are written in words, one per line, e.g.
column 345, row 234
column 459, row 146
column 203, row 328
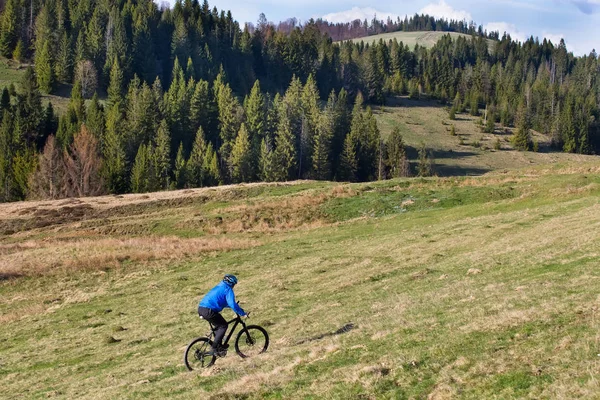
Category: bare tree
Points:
column 83, row 165
column 87, row 75
column 48, row 181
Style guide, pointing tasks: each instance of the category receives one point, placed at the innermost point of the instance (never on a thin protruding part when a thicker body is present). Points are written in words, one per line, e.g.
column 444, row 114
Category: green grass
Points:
column 425, row 38
column 10, row 72
column 459, row 288
column 427, row 122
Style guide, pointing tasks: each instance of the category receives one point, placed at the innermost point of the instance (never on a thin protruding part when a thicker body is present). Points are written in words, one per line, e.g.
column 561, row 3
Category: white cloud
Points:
column 502, row 27
column 444, row 10
column 357, row 13
column 553, row 37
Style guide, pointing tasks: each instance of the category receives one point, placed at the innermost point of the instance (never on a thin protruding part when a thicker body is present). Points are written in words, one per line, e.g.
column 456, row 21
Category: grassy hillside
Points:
column 11, row 72
column 426, row 38
column 470, row 152
column 481, row 287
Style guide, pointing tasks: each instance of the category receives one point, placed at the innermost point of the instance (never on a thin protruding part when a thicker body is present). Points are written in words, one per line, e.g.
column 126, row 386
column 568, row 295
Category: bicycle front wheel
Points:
column 197, row 354
column 251, row 341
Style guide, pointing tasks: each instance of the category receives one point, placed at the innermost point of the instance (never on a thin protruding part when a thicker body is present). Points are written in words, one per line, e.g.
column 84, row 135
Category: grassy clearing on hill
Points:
column 470, row 152
column 426, row 39
column 481, row 287
column 11, row 72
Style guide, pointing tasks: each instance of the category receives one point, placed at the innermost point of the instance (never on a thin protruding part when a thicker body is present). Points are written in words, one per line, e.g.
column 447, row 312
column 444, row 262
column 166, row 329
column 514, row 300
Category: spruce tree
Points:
column 521, row 140
column 9, row 24
column 94, row 119
column 180, row 169
column 348, row 162
column 210, row 165
column 255, row 108
column 64, row 60
column 43, row 68
column 4, row 100
column 162, row 156
column 425, row 165
column 19, row 52
column 228, row 118
column 195, row 164
column 396, row 155
column 115, row 87
column 242, row 169
column 267, row 161
column 112, row 148
column 140, row 170
column 285, row 151
column 321, row 155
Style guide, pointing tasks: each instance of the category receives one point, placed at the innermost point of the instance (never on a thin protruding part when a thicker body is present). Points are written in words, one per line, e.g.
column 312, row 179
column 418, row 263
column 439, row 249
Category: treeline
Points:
column 417, row 23
column 188, row 98
column 192, row 135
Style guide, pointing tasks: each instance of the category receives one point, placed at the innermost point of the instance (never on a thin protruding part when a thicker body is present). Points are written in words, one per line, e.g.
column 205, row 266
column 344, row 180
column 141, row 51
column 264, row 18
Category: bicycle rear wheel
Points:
column 196, row 355
column 251, row 341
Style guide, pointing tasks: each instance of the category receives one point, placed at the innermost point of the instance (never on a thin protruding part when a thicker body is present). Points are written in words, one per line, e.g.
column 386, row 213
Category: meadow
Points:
column 425, row 39
column 456, row 287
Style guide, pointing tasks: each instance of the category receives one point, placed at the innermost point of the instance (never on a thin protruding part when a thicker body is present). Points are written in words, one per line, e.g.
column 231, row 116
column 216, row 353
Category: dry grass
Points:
column 34, row 258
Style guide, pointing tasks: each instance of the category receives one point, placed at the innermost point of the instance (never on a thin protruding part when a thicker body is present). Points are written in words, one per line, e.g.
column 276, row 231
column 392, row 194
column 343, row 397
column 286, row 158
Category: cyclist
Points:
column 212, row 304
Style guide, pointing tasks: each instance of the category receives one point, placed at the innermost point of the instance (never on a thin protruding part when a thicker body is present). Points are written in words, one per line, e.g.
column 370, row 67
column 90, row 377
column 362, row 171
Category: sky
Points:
column 577, row 21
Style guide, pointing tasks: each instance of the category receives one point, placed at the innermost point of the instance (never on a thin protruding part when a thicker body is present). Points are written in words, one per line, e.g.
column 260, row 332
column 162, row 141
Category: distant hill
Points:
column 426, row 39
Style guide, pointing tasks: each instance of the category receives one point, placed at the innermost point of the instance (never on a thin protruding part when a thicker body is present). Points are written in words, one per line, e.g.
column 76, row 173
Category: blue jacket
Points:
column 219, row 297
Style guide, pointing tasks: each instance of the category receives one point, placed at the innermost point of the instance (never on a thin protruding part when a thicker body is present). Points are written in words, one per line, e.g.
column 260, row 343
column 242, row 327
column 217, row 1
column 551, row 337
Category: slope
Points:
column 426, row 39
column 457, row 287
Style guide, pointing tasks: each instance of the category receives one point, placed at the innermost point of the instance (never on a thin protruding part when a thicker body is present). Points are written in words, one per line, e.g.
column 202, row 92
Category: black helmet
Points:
column 231, row 280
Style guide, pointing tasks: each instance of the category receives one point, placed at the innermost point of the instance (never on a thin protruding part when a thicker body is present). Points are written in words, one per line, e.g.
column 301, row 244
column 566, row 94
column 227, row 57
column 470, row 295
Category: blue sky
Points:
column 577, row 21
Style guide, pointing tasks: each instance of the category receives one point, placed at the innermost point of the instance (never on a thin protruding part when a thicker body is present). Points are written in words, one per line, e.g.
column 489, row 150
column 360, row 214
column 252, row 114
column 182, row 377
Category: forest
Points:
column 185, row 97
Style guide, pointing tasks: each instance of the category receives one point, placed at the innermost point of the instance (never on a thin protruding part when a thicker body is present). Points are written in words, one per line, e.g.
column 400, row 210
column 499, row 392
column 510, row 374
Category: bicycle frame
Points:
column 228, row 336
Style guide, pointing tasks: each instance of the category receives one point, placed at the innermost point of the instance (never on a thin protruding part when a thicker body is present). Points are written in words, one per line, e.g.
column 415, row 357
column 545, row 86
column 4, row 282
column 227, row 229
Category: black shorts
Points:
column 212, row 316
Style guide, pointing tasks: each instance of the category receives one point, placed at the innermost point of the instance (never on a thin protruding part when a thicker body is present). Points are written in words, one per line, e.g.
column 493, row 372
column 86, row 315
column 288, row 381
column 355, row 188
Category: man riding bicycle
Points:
column 212, row 304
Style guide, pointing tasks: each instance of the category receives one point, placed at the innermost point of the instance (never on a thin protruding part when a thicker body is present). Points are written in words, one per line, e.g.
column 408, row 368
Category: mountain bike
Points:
column 250, row 341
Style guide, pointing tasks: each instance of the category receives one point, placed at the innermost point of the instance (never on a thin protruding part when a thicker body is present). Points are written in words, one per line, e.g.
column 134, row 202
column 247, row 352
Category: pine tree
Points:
column 140, row 170
column 201, row 107
column 94, row 119
column 310, row 123
column 112, row 147
column 267, row 161
column 9, row 27
column 348, row 162
column 6, row 155
column 19, row 52
column 64, row 60
column 210, row 165
column 474, row 105
column 396, row 155
column 115, row 87
column 321, row 159
column 180, row 169
column 229, row 122
column 29, row 108
column 195, row 164
column 242, row 169
column 4, row 100
column 521, row 140
column 255, row 108
column 425, row 165
column 162, row 156
column 23, row 165
column 43, row 68
column 285, row 151
column 490, row 125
